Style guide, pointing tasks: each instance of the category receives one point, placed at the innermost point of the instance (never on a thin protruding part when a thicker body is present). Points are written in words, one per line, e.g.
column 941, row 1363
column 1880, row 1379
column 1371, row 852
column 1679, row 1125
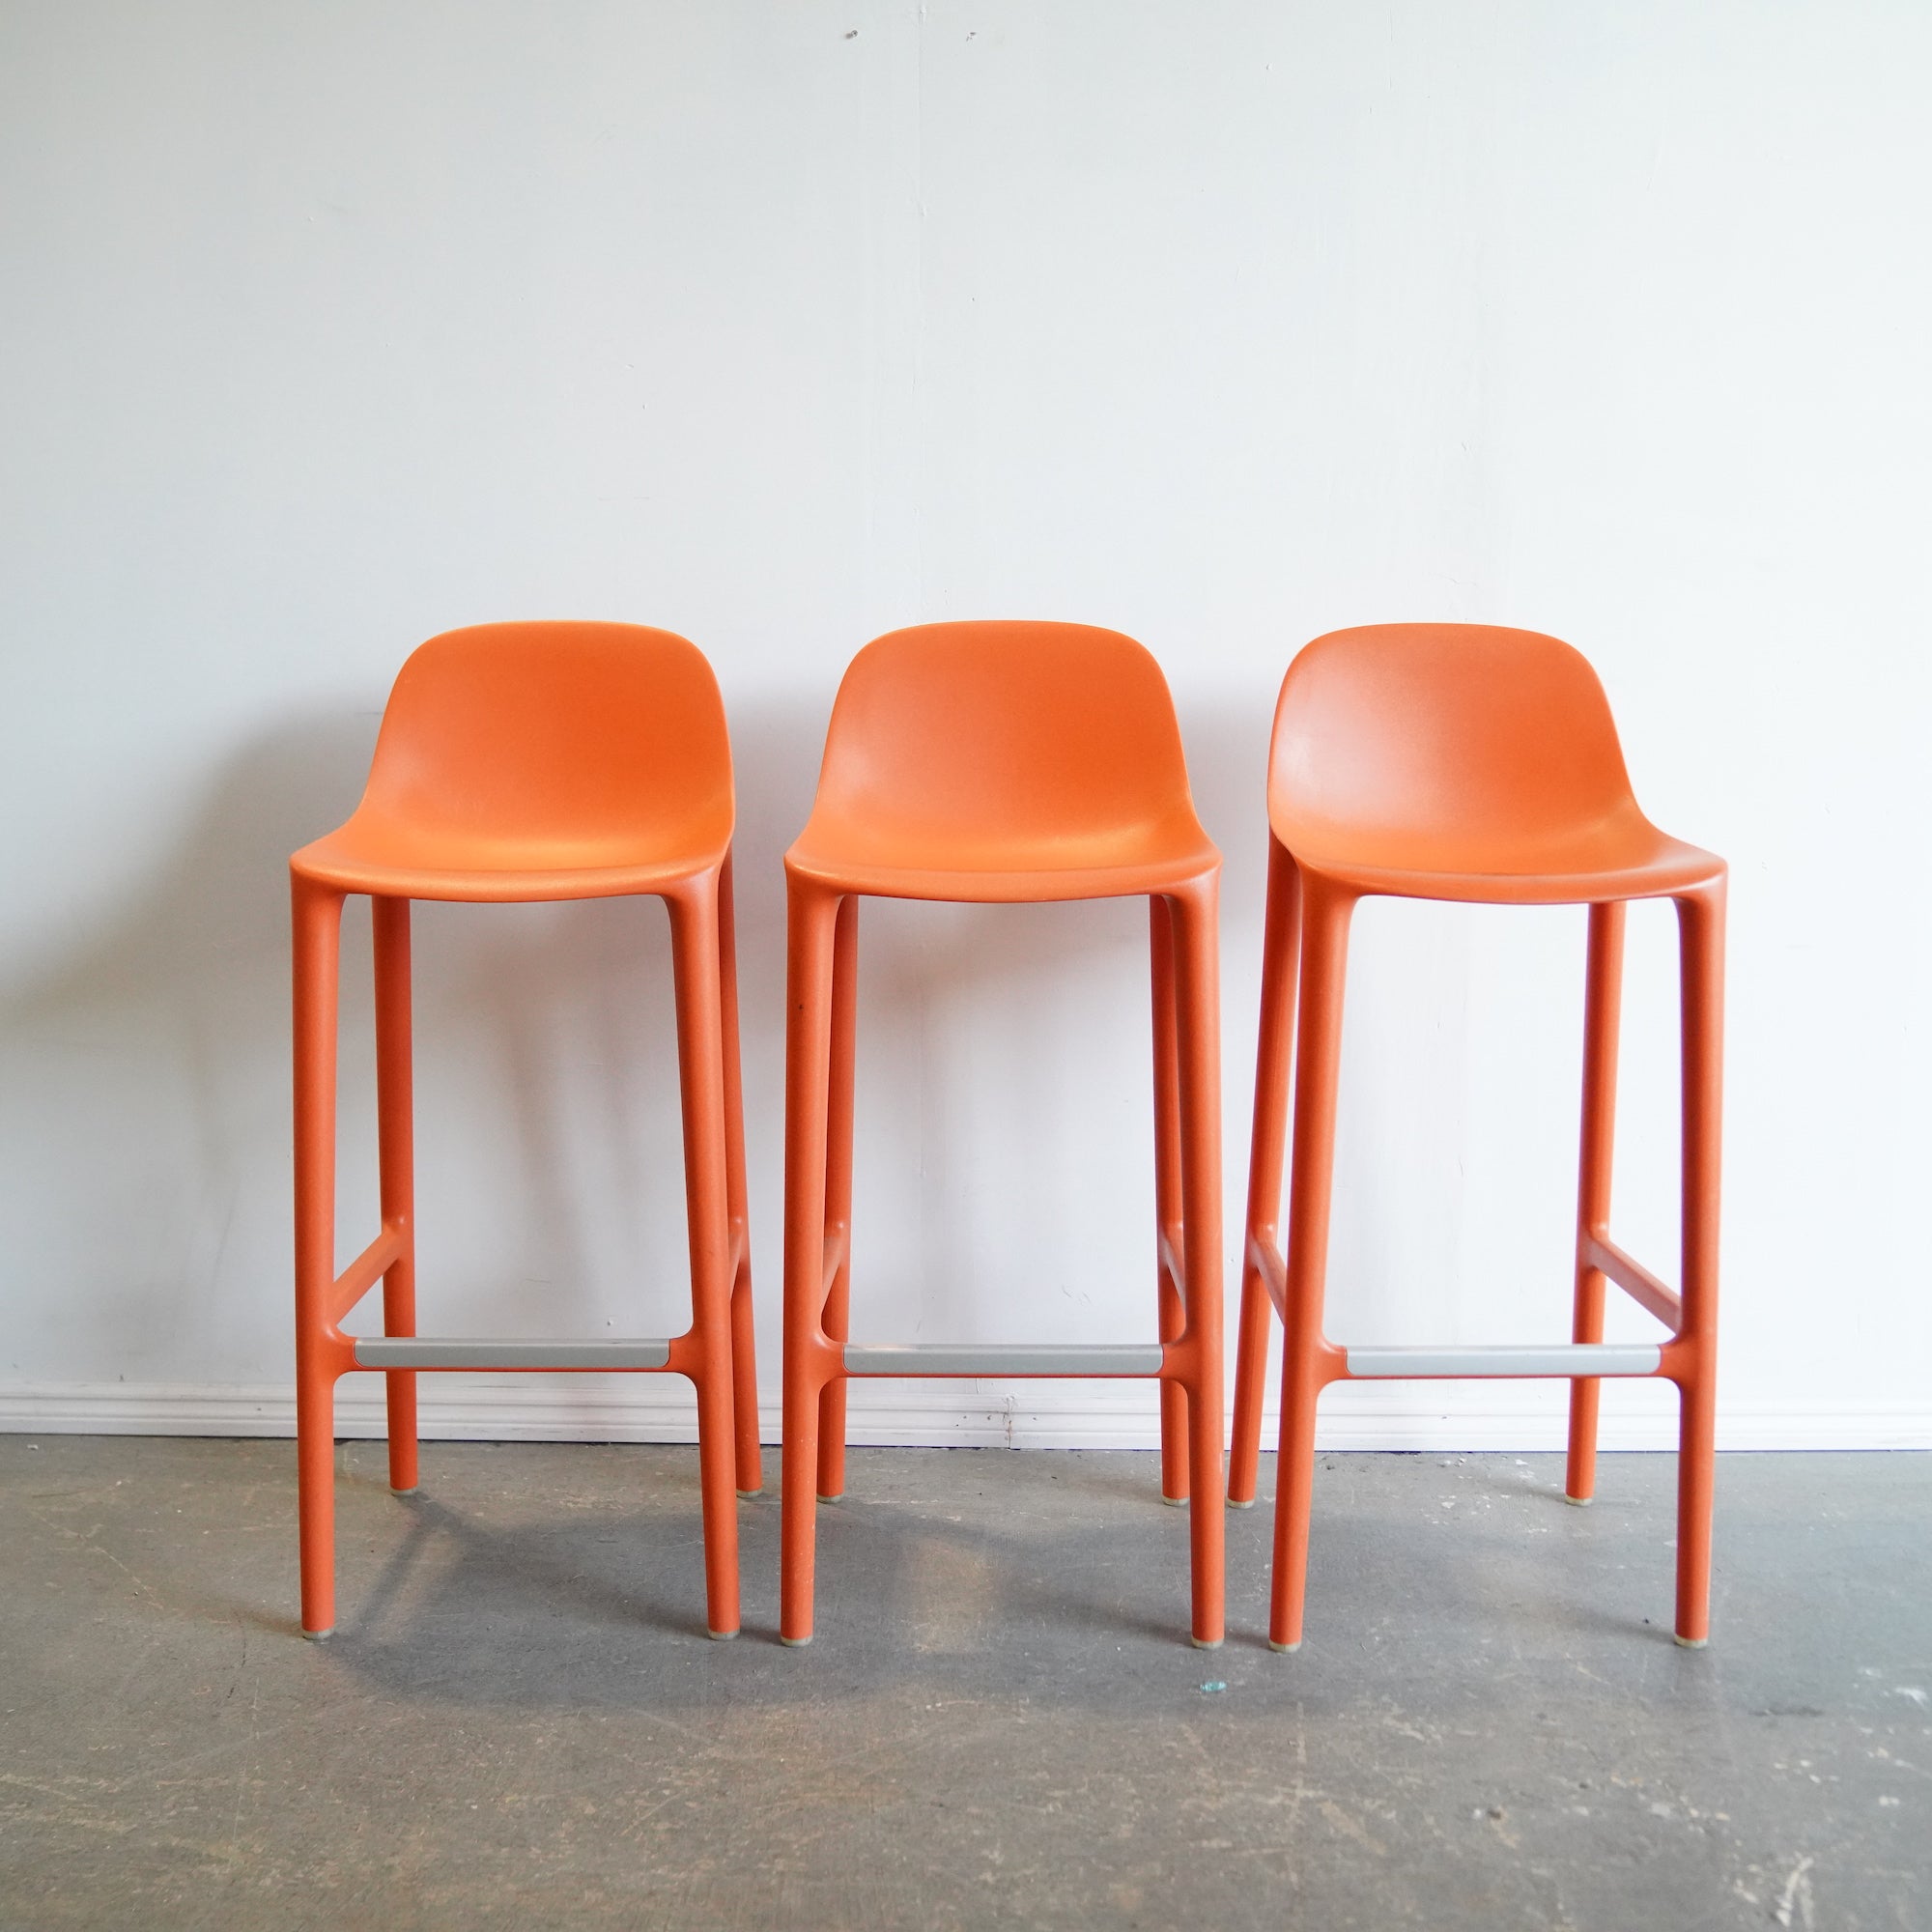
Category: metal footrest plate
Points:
column 947, row 1358
column 1566, row 1358
column 453, row 1351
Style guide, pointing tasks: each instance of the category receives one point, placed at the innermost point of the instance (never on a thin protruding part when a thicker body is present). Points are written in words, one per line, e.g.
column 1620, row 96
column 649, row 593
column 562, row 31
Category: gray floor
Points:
column 521, row 1720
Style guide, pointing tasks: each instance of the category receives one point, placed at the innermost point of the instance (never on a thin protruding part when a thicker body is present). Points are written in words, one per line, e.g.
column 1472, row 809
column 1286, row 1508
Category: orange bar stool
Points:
column 1453, row 761
column 518, row 763
column 999, row 763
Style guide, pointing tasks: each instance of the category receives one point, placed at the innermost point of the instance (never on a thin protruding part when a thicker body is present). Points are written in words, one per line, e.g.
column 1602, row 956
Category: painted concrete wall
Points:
column 329, row 327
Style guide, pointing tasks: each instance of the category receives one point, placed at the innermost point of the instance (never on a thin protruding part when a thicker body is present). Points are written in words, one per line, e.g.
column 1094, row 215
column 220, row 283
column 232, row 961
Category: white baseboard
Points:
column 1016, row 1415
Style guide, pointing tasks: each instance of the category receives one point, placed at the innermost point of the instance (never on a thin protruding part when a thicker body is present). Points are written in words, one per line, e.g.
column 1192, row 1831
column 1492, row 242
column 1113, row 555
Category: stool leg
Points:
column 1198, row 1013
column 700, row 1061
column 317, row 927
column 1325, row 964
column 1603, row 1001
column 395, row 1127
column 751, row 1477
column 1281, row 948
column 836, row 1320
column 811, row 919
column 1700, row 931
column 1169, row 1217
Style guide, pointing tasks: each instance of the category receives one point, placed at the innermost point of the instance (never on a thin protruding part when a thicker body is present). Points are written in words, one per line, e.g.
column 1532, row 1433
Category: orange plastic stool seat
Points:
column 525, row 763
column 982, row 763
column 1454, row 761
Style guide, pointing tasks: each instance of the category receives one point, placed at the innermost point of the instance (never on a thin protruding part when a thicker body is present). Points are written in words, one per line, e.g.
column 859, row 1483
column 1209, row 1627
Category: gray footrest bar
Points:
column 949, row 1358
column 1566, row 1358
column 455, row 1351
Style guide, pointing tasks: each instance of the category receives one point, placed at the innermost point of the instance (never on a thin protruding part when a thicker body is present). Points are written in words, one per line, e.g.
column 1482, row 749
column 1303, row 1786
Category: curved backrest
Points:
column 569, row 733
column 1002, row 730
column 1449, row 738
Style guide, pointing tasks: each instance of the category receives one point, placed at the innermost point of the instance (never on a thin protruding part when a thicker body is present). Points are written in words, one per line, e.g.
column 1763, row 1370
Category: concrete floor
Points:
column 1001, row 1724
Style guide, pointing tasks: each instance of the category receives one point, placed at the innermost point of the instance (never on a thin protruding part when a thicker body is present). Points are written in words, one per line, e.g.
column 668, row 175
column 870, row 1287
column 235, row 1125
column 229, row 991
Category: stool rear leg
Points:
column 1274, row 1055
column 836, row 1318
column 395, row 1127
column 1169, row 1206
column 1603, row 1001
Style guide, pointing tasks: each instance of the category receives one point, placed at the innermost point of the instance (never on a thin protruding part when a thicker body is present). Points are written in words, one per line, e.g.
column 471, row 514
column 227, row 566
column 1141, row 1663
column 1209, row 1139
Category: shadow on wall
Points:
column 137, row 1085
column 147, row 1071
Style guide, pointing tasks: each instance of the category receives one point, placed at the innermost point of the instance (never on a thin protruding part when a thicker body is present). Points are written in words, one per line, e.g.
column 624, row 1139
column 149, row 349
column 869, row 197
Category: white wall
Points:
column 329, row 326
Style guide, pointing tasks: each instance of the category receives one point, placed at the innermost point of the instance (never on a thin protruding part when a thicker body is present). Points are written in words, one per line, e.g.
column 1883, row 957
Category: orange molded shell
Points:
column 517, row 762
column 1457, row 761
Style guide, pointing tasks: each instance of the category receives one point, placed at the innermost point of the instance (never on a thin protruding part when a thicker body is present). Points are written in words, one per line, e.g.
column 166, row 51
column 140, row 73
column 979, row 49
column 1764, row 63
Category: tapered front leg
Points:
column 1603, row 1000
column 1325, row 965
column 836, row 1320
column 811, row 919
column 1168, row 1205
column 1274, row 1054
column 700, row 1056
column 317, row 946
column 1198, row 1013
column 395, row 1122
column 1700, row 929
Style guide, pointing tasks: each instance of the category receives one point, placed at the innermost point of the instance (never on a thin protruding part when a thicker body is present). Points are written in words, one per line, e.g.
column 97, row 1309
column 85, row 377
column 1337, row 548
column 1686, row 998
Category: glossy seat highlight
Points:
column 1452, row 761
column 534, row 761
column 1002, row 762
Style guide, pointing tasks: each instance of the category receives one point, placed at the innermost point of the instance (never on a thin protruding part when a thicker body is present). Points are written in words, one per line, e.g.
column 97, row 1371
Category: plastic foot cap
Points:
column 746, row 1495
column 1285, row 1649
column 1206, row 1642
column 1693, row 1642
column 721, row 1637
column 1175, row 1502
column 410, row 1492
column 839, row 1498
column 319, row 1636
column 1240, row 1502
column 794, row 1642
column 1579, row 1502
